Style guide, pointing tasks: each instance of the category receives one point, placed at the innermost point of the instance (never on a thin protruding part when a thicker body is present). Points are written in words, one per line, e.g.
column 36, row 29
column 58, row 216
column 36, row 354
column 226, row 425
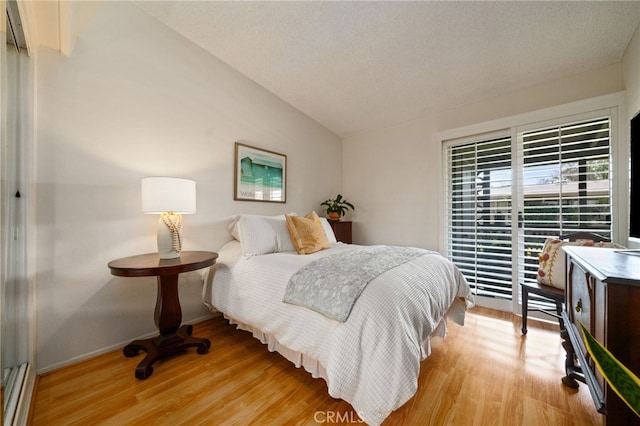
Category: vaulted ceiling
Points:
column 359, row 66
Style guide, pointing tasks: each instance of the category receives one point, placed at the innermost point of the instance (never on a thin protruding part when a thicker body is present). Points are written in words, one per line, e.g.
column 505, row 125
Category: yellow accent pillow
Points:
column 307, row 233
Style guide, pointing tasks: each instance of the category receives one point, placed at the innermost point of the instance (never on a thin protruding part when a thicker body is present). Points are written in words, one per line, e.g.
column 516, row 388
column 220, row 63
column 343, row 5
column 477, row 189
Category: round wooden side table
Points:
column 173, row 337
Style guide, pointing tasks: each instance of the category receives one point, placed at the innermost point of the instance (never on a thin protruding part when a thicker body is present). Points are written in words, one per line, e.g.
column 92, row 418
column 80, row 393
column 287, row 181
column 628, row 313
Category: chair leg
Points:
column 525, row 308
column 559, row 312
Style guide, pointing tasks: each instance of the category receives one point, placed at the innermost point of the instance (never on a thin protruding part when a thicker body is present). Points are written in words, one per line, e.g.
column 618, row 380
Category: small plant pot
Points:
column 334, row 216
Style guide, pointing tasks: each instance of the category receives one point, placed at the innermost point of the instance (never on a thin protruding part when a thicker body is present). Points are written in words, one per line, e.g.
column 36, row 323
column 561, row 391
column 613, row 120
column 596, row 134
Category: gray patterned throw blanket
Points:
column 332, row 284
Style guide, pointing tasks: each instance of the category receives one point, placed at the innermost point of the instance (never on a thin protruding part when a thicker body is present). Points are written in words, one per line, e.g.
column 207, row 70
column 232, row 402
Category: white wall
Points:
column 395, row 176
column 392, row 178
column 631, row 74
column 134, row 100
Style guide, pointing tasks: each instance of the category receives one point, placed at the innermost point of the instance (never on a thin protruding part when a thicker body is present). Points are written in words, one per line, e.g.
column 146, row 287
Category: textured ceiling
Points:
column 360, row 66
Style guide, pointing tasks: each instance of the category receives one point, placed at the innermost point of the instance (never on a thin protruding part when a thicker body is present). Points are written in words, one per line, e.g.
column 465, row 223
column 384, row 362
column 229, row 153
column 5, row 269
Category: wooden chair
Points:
column 553, row 294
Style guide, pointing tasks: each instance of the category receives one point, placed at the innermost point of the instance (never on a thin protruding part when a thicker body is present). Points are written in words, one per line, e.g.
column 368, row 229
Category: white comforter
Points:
column 373, row 359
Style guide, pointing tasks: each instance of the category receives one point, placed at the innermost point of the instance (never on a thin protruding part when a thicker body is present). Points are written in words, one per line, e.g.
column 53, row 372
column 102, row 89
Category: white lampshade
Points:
column 166, row 194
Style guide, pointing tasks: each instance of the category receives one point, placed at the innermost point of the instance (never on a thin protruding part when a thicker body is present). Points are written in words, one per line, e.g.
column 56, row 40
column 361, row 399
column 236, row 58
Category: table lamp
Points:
column 168, row 197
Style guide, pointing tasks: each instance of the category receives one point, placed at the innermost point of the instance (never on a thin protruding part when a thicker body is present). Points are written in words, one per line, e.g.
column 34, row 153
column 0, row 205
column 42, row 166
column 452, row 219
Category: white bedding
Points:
column 373, row 359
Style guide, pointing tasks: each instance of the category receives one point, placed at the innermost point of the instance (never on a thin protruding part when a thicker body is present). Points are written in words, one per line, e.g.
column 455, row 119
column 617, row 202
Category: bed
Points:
column 371, row 358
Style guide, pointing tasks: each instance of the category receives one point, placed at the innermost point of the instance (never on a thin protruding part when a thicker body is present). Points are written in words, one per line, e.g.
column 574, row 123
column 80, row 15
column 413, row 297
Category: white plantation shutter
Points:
column 564, row 186
column 479, row 231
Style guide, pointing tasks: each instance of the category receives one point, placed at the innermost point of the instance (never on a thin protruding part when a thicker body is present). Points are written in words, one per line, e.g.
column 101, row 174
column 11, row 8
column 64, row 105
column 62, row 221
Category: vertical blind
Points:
column 564, row 175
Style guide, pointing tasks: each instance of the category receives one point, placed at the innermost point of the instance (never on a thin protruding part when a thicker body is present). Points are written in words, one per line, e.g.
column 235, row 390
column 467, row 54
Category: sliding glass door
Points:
column 15, row 321
column 479, row 232
column 566, row 185
column 508, row 192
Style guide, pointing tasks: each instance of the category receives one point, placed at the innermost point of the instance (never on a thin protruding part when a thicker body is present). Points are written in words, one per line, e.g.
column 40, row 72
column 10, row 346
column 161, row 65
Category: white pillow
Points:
column 262, row 234
column 233, row 226
column 331, row 236
column 283, row 237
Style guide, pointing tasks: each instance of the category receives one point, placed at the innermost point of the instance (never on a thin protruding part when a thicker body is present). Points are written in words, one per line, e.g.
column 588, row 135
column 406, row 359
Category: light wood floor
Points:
column 485, row 373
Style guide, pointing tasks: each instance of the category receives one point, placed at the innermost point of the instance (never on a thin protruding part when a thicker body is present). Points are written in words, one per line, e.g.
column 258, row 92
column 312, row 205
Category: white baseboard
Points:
column 110, row 348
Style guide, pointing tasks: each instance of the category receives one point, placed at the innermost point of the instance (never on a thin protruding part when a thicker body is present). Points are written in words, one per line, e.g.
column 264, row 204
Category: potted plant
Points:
column 337, row 207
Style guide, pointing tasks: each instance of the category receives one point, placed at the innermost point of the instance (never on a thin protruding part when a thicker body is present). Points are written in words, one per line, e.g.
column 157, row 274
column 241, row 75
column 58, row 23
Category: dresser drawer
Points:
column 580, row 296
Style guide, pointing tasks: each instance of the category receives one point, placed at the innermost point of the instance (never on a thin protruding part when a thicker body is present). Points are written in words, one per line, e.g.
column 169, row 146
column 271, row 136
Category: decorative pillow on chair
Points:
column 551, row 269
column 307, row 233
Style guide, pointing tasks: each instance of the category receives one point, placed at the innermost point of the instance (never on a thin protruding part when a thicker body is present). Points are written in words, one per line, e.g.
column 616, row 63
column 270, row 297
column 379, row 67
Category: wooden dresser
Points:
column 342, row 229
column 603, row 292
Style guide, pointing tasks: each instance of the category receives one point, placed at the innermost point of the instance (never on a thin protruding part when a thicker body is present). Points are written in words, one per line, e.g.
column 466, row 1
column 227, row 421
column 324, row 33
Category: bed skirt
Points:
column 456, row 313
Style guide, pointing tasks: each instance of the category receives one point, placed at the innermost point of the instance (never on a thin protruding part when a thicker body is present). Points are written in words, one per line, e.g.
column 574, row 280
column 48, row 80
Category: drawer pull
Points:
column 579, row 305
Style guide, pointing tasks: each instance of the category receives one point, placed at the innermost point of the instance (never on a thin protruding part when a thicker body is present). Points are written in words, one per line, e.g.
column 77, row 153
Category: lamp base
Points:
column 166, row 241
column 171, row 255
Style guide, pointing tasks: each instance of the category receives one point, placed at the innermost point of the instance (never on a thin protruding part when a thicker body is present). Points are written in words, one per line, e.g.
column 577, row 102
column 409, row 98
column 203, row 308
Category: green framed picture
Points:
column 260, row 175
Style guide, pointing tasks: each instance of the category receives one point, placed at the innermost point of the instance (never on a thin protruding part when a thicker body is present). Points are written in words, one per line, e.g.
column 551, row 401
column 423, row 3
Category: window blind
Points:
column 479, row 231
column 566, row 185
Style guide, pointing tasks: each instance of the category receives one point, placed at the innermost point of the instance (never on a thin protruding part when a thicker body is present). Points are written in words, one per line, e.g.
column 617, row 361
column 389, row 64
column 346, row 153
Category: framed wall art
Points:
column 260, row 175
